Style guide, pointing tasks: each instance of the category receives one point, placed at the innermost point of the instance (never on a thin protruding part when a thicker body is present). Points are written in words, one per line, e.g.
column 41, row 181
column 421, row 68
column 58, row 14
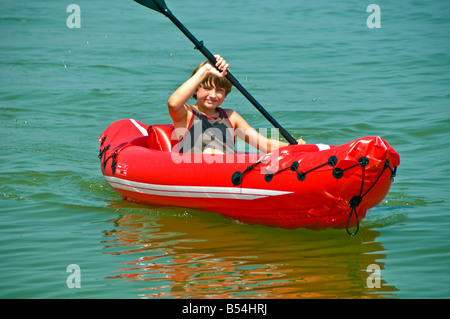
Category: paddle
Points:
column 160, row 6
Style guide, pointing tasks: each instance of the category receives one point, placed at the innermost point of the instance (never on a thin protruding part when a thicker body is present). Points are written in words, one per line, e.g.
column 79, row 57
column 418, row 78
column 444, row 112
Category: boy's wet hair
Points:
column 214, row 81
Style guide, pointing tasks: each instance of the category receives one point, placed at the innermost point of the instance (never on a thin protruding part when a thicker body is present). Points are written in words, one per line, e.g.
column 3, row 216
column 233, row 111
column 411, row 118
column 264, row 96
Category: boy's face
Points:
column 210, row 97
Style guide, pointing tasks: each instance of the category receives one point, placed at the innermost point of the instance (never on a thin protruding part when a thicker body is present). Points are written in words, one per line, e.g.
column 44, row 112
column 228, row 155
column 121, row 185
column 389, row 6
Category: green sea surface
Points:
column 318, row 68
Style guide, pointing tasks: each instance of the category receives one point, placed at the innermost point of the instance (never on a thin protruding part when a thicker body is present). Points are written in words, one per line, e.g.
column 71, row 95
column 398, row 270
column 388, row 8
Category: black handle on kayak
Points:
column 160, row 6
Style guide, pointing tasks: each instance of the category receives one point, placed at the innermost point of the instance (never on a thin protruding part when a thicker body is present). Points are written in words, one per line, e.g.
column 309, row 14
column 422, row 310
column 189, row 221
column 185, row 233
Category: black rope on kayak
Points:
column 356, row 200
column 237, row 177
column 332, row 161
column 103, row 140
column 106, row 159
column 114, row 162
column 104, row 149
column 103, row 153
column 113, row 156
column 338, row 173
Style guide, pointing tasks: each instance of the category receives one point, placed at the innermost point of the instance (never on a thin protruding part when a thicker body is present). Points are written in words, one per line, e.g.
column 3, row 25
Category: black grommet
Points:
column 294, row 166
column 363, row 161
column 301, row 176
column 355, row 201
column 337, row 173
column 236, row 178
column 268, row 177
column 332, row 160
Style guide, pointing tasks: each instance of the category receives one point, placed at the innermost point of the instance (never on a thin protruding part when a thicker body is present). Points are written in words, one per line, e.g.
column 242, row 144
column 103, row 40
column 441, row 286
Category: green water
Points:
column 315, row 66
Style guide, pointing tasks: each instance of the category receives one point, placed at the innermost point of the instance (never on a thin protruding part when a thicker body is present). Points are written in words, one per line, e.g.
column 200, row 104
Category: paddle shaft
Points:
column 199, row 46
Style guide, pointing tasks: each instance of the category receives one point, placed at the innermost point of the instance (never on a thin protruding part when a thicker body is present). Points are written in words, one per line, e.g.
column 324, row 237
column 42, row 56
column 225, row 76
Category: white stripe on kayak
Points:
column 192, row 191
column 139, row 127
column 323, row 147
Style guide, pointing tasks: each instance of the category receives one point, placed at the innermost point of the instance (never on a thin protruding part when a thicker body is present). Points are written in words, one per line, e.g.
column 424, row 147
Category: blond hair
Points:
column 214, row 81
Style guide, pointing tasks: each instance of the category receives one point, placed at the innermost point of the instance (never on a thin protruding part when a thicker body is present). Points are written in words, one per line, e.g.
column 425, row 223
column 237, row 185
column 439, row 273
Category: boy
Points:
column 205, row 127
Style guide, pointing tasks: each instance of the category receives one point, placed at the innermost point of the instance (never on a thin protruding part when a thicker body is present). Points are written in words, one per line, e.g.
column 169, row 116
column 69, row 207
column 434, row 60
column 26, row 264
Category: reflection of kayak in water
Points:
column 312, row 186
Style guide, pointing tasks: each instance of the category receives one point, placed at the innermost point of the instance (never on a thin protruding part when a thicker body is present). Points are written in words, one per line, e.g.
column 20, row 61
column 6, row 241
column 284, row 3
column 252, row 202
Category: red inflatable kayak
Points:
column 312, row 186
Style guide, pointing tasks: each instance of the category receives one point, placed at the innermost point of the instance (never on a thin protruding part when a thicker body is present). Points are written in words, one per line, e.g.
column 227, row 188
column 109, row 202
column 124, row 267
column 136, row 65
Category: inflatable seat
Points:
column 160, row 137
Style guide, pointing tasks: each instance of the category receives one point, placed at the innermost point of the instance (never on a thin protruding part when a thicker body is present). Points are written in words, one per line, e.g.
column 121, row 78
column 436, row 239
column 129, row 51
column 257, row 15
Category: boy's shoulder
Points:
column 229, row 112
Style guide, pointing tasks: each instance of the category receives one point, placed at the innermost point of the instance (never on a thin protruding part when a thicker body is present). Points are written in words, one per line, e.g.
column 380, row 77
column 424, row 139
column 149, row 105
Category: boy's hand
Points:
column 221, row 64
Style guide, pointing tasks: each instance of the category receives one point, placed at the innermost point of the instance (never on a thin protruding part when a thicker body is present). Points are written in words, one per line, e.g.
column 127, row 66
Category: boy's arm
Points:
column 177, row 101
column 245, row 132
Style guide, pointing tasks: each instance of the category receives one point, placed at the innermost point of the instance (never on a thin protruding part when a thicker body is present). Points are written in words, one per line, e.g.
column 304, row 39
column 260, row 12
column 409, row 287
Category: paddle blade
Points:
column 157, row 5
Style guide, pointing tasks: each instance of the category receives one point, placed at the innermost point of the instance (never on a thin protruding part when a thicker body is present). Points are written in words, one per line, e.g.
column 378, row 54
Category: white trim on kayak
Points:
column 191, row 191
column 323, row 147
column 139, row 127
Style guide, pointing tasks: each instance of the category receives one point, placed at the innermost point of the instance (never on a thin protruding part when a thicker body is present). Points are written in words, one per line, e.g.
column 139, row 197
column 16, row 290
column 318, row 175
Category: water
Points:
column 315, row 66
